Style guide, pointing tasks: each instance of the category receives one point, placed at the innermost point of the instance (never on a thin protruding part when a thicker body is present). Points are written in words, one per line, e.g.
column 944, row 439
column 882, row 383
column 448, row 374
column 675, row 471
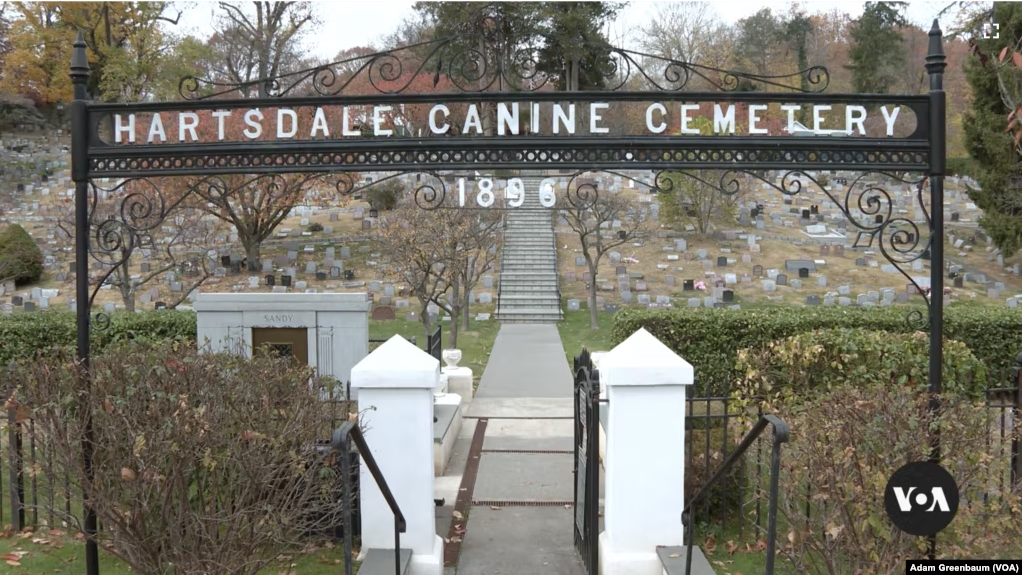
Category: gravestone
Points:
column 627, row 297
column 488, row 281
column 758, row 271
column 346, row 252
column 813, row 300
column 286, row 280
column 573, row 305
column 804, row 273
column 768, row 285
column 383, row 313
column 782, row 279
column 722, row 261
column 687, row 285
column 669, row 280
column 486, row 297
column 31, row 306
column 822, row 281
column 641, row 286
column 728, row 296
column 839, row 251
column 176, row 287
column 270, row 280
column 620, row 270
column 321, row 276
column 580, row 261
column 610, row 307
column 253, row 282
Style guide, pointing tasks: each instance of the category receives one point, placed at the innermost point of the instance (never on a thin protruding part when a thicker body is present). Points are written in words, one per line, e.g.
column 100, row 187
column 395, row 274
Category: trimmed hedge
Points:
column 22, row 335
column 813, row 362
column 709, row 339
column 21, row 260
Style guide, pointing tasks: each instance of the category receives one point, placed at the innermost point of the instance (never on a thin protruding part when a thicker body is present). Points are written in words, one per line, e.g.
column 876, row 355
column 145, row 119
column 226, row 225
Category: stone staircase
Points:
column 529, row 290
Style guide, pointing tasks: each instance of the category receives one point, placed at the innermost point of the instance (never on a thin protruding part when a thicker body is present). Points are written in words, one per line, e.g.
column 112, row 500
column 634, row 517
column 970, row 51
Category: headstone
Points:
column 321, row 276
column 641, row 286
column 758, row 271
column 286, row 280
column 610, row 307
column 768, row 285
column 253, row 282
column 346, row 252
column 813, row 300
column 486, row 298
column 782, row 279
column 669, row 280
column 383, row 312
column 488, row 282
column 687, row 285
column 270, row 280
column 804, row 273
column 176, row 287
column 728, row 296
column 693, row 302
column 627, row 297
column 580, row 261
column 31, row 306
column 573, row 305
column 722, row 261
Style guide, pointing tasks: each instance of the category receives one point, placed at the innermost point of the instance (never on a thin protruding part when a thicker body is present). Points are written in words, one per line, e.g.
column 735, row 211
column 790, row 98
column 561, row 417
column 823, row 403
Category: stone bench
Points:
column 446, row 427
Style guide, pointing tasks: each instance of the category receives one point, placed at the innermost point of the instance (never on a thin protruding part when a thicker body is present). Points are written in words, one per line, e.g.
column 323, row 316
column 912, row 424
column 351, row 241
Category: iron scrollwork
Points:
column 490, row 52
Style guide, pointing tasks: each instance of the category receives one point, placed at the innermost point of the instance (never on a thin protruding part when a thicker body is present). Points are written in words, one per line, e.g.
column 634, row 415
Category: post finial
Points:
column 79, row 61
column 935, row 51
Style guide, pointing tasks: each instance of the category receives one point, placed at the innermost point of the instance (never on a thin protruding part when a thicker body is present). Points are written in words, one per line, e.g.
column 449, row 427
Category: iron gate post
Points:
column 936, row 69
column 79, row 173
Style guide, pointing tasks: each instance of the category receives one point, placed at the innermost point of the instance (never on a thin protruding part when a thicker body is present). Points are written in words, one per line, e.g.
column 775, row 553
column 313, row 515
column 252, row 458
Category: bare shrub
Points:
column 203, row 463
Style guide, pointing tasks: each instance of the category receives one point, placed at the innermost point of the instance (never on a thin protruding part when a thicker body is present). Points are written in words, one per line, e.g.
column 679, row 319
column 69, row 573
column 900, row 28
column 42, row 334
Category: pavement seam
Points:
column 531, row 451
column 456, row 533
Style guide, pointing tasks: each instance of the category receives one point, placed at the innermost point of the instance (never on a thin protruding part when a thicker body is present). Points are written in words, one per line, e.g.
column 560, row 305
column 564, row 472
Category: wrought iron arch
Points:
column 481, row 73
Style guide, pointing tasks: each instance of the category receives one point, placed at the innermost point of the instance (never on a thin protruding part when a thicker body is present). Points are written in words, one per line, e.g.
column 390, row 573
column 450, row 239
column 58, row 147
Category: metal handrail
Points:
column 341, row 440
column 781, row 435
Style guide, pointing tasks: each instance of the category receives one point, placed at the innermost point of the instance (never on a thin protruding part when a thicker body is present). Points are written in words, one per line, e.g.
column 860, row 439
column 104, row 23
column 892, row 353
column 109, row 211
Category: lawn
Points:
column 30, row 553
column 475, row 343
column 576, row 332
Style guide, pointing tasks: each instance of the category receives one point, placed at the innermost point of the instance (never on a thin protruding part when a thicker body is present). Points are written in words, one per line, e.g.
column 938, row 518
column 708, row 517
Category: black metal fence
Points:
column 738, row 500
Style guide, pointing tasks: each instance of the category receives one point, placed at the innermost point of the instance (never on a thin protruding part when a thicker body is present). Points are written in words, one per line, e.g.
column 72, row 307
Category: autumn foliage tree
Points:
column 126, row 42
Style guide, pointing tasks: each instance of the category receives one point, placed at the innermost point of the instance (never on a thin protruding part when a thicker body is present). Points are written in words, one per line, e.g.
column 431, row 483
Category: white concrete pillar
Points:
column 459, row 378
column 396, row 384
column 644, row 467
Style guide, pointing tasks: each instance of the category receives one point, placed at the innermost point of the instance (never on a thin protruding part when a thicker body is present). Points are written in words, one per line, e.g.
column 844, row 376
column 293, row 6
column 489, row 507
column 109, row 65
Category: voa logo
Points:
column 921, row 498
column 935, row 500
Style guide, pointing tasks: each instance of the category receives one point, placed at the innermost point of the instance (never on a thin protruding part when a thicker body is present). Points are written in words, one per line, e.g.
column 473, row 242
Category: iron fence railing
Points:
column 345, row 437
column 780, row 433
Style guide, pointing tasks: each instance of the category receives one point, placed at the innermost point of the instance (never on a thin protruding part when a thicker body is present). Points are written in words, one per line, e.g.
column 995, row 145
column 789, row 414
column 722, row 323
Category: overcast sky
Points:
column 352, row 23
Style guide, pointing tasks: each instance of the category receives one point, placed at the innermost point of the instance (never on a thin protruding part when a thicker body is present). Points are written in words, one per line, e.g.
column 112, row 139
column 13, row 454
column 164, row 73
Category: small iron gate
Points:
column 587, row 472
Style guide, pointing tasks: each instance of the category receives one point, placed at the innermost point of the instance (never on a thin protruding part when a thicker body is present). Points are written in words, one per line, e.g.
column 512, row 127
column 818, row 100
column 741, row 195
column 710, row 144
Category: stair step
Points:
column 381, row 562
column 673, row 561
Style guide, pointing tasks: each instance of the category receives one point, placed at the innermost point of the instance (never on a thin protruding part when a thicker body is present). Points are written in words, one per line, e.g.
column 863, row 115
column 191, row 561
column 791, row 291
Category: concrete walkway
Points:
column 521, row 518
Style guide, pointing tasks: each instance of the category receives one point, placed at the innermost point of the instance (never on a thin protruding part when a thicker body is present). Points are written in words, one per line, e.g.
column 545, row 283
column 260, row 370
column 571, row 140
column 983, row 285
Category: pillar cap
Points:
column 397, row 364
column 642, row 360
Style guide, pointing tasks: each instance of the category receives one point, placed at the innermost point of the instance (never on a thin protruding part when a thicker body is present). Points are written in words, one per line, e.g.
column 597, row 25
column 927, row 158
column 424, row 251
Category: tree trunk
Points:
column 465, row 311
column 593, row 301
column 454, row 309
column 252, row 255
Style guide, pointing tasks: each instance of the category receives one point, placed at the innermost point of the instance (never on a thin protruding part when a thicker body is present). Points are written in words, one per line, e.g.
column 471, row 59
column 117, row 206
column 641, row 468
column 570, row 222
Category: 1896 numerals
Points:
column 514, row 193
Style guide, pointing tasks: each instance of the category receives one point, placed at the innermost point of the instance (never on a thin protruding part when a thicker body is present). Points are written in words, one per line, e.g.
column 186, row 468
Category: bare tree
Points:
column 262, row 42
column 477, row 253
column 681, row 31
column 591, row 214
column 441, row 254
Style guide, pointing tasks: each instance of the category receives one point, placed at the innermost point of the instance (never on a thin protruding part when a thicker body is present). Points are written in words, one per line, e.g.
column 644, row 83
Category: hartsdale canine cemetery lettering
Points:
column 567, row 119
